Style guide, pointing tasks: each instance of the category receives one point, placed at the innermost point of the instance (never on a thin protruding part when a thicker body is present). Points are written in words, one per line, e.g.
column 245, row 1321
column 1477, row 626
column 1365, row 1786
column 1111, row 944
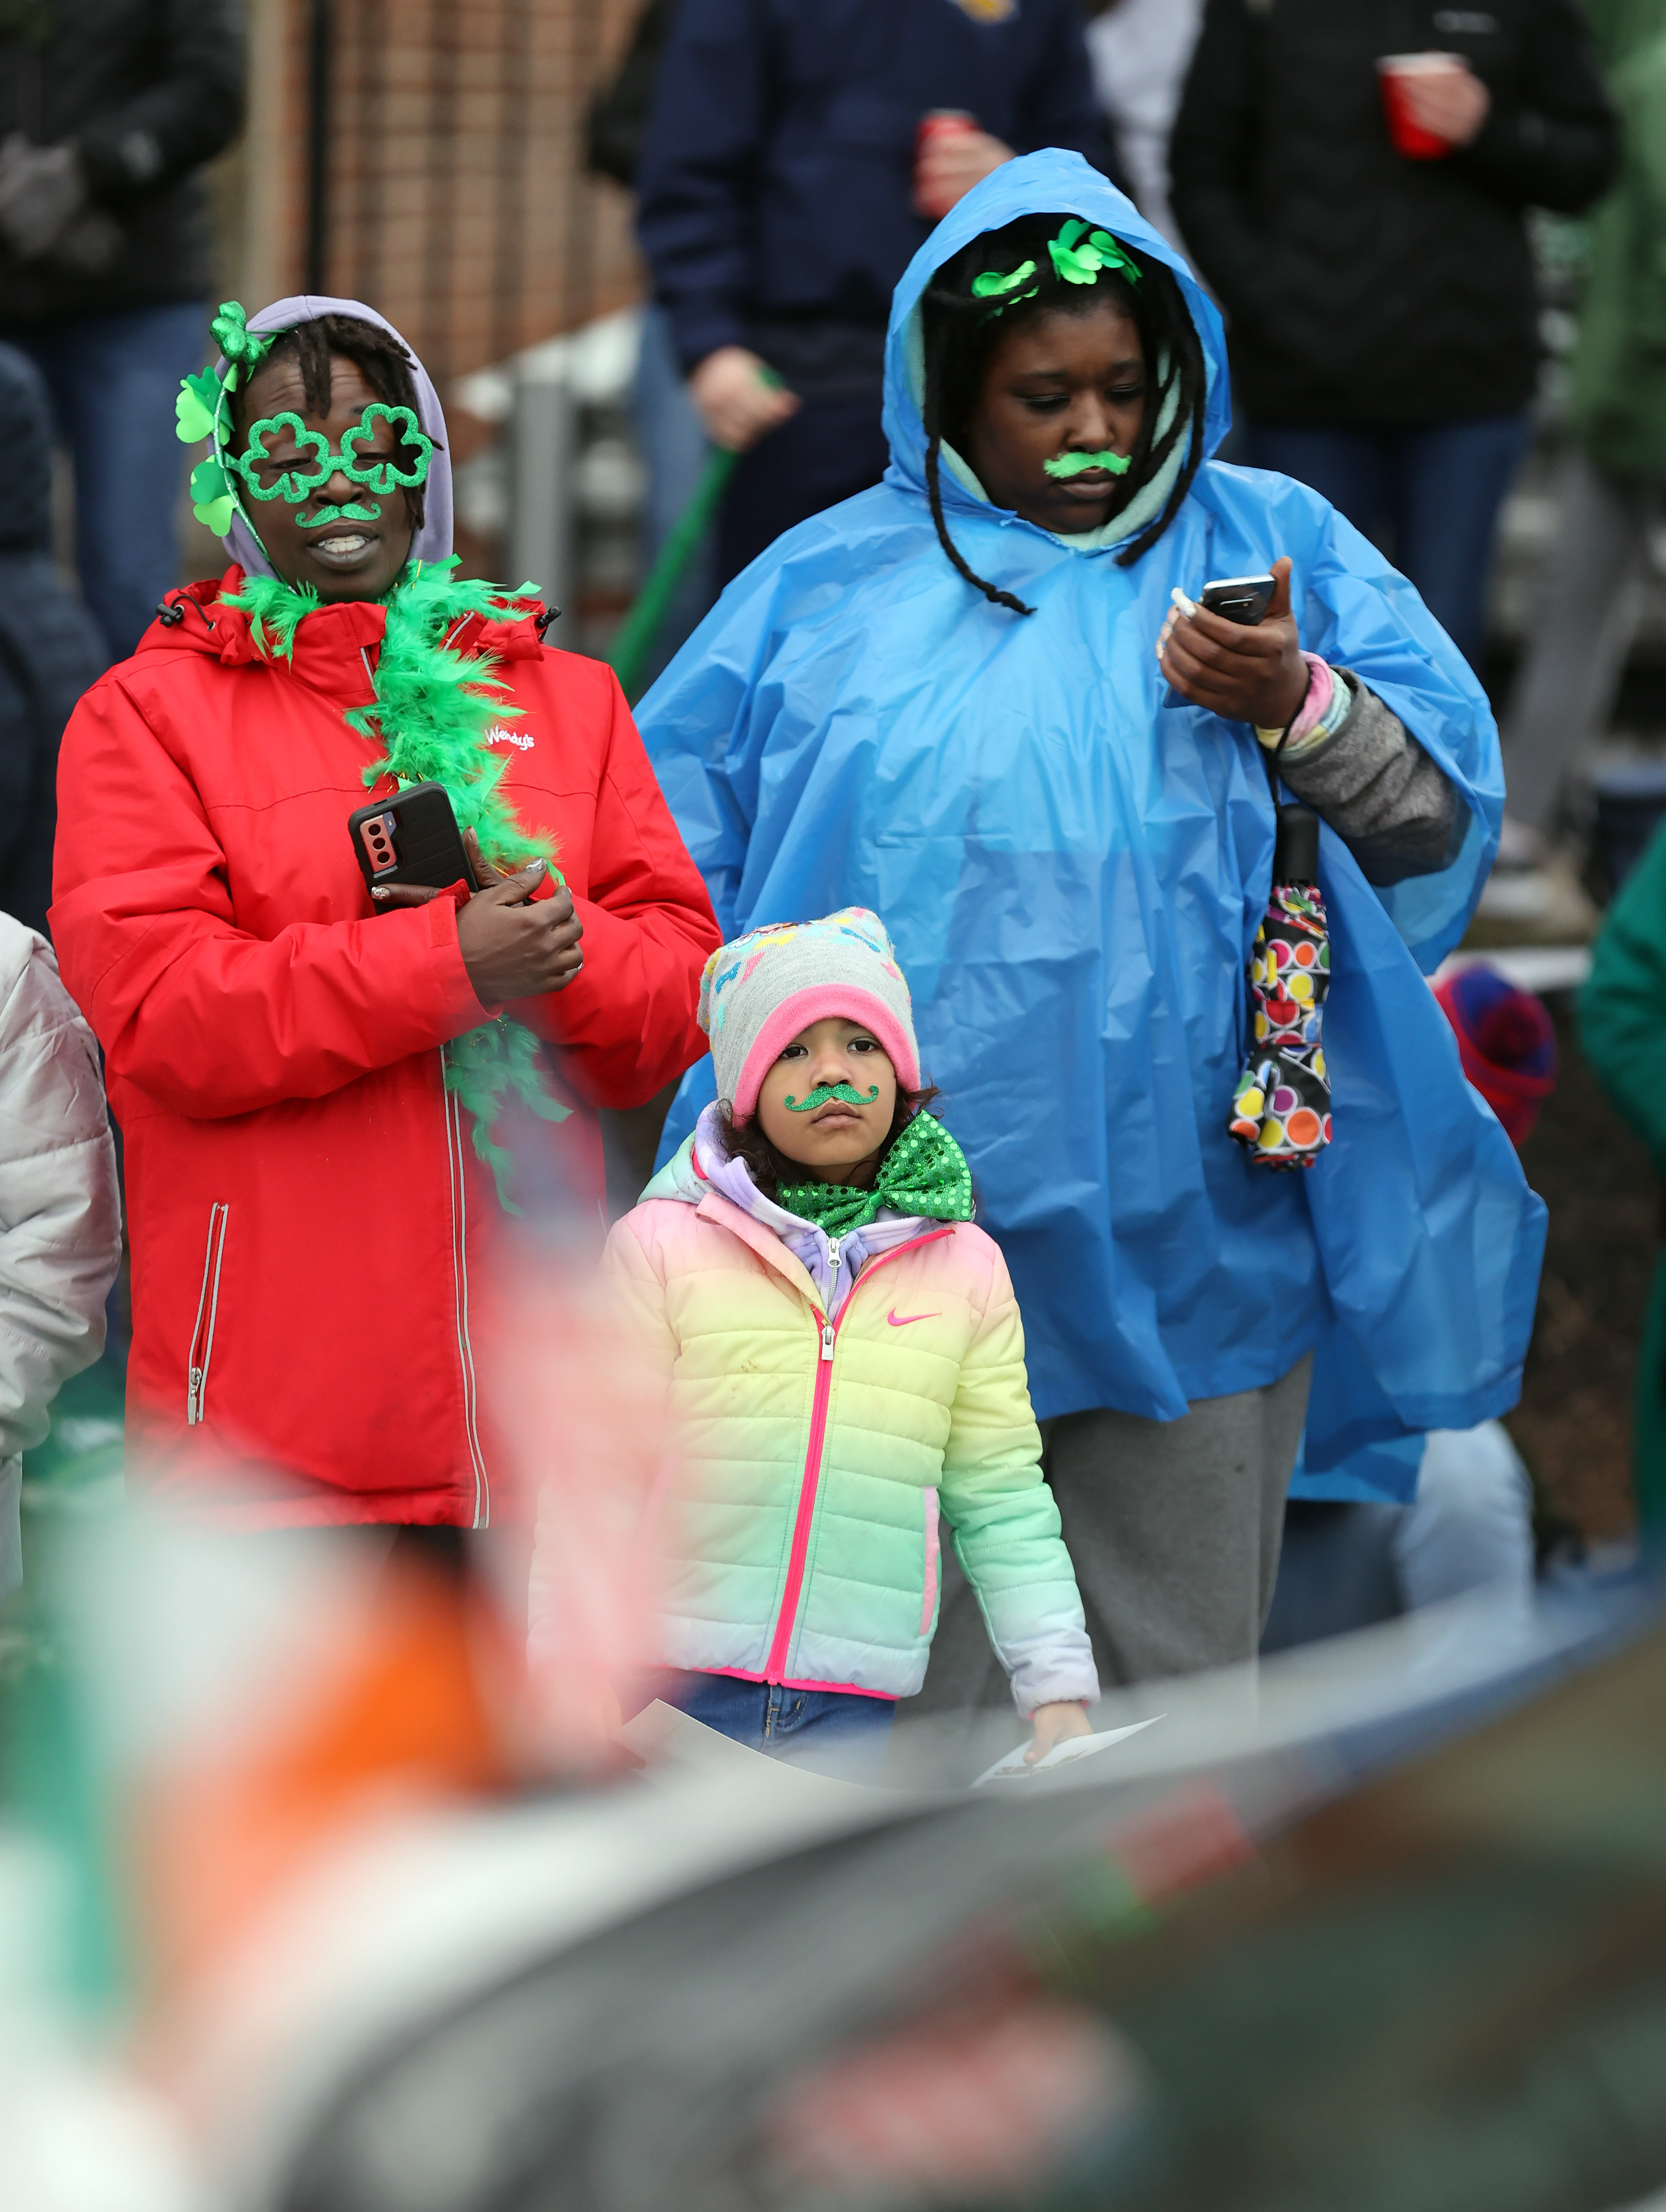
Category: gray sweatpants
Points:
column 1588, row 600
column 1173, row 1529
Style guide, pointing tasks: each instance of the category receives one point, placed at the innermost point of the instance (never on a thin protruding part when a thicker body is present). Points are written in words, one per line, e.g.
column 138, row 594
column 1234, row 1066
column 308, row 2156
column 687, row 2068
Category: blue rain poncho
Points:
column 1073, row 862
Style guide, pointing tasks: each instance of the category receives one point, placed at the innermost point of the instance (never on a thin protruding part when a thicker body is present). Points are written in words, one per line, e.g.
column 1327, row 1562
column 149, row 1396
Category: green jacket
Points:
column 1622, row 1027
column 1618, row 407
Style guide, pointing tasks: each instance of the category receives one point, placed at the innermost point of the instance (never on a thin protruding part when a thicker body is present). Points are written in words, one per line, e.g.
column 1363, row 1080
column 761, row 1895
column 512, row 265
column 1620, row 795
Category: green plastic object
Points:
column 1061, row 466
column 628, row 654
column 294, row 487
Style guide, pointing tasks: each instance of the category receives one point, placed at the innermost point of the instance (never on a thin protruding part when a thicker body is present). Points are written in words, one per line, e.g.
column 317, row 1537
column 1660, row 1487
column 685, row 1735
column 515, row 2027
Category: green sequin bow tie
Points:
column 925, row 1172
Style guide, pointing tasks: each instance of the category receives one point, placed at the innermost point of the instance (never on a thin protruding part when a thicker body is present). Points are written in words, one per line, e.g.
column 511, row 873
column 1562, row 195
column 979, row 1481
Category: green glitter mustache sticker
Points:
column 1064, row 466
column 823, row 1091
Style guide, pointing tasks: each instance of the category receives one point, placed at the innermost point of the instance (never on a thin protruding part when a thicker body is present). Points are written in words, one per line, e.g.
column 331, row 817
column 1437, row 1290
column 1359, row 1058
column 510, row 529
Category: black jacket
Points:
column 777, row 176
column 49, row 648
column 618, row 118
column 147, row 90
column 1365, row 290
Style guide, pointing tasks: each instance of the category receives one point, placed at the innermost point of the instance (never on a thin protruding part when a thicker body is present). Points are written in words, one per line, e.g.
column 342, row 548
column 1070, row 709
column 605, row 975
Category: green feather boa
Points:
column 433, row 709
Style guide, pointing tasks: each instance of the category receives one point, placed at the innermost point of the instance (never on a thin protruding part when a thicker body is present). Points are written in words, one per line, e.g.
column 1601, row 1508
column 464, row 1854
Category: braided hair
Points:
column 962, row 330
column 378, row 356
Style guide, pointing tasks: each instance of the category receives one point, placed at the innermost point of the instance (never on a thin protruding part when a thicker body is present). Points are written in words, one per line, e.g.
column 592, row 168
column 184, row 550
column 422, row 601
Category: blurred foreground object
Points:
column 1384, row 1931
column 1309, row 1959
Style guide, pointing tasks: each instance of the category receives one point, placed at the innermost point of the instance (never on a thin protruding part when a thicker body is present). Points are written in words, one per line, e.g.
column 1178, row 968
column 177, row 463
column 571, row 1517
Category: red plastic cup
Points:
column 940, row 124
column 1396, row 73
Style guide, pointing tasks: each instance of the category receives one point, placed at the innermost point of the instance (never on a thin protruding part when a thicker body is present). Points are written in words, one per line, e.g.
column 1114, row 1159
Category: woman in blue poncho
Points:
column 979, row 699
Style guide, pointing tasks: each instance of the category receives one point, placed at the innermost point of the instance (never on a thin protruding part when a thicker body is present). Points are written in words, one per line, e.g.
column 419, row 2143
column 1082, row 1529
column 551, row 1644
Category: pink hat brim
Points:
column 797, row 1013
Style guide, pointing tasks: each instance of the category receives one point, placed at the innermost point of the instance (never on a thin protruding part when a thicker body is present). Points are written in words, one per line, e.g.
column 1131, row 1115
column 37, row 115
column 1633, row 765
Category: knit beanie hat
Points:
column 760, row 992
column 1506, row 1042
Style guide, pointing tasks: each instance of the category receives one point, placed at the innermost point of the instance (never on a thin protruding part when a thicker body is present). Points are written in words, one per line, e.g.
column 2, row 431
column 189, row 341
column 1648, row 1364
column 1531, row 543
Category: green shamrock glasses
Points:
column 294, row 482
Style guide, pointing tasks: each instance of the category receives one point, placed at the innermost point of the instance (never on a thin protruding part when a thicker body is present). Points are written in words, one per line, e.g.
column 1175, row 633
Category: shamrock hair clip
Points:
column 1079, row 253
column 243, row 348
column 1005, row 290
column 199, row 412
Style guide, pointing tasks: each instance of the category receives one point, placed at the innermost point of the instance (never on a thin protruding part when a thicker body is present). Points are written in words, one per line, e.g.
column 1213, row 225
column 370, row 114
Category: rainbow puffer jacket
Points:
column 821, row 1451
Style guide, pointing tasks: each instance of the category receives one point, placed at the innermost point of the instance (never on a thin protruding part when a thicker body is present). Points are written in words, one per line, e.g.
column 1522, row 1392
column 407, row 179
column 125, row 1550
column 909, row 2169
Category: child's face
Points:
column 1059, row 384
column 833, row 1136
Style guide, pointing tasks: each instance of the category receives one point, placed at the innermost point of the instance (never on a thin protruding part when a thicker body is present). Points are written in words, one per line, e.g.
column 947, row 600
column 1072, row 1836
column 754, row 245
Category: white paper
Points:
column 1012, row 1768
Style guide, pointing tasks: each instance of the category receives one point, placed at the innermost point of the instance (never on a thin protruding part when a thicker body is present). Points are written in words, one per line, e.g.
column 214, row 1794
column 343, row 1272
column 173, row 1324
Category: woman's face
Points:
column 1059, row 384
column 356, row 557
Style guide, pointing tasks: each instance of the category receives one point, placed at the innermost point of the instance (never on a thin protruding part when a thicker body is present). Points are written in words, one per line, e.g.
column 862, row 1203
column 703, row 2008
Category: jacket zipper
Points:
column 465, row 1349
column 774, row 1667
column 208, row 1312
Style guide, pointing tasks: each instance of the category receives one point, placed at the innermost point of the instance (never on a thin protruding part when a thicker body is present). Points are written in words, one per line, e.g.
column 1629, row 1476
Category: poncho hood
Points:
column 1049, row 183
column 432, row 542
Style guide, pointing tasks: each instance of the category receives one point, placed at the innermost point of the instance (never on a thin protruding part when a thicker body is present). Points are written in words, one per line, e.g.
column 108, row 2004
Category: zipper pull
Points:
column 194, row 1397
column 826, row 1340
column 833, row 1258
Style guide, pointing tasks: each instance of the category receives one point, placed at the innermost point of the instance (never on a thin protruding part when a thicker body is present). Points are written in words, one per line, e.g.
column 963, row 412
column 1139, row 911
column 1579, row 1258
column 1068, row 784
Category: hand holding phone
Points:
column 1242, row 667
column 513, row 946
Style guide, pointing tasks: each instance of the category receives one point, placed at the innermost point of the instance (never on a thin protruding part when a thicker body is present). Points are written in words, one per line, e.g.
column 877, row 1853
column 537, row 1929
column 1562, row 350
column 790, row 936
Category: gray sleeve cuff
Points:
column 1397, row 813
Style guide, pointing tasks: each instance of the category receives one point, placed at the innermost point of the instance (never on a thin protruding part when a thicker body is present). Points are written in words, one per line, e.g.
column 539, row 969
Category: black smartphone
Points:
column 1238, row 598
column 411, row 838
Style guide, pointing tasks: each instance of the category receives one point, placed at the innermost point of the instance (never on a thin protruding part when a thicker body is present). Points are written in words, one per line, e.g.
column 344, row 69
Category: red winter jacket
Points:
column 305, row 1206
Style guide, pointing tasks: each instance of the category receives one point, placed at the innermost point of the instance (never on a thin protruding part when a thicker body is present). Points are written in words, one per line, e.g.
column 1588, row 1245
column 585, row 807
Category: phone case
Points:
column 410, row 838
column 1241, row 600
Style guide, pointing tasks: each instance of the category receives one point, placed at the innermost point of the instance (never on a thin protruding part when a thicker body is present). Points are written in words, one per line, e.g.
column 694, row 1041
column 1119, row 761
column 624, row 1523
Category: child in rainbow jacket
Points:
column 844, row 1363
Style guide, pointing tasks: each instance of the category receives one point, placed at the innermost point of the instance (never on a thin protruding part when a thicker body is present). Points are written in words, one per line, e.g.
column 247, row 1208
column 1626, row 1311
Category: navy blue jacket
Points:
column 777, row 177
column 49, row 648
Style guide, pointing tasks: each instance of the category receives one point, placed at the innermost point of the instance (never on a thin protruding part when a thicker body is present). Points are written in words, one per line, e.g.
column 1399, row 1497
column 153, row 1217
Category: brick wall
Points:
column 457, row 201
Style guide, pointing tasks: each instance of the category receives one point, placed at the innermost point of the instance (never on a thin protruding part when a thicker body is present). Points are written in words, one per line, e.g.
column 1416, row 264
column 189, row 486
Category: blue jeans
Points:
column 113, row 381
column 1429, row 498
column 851, row 1730
column 674, row 448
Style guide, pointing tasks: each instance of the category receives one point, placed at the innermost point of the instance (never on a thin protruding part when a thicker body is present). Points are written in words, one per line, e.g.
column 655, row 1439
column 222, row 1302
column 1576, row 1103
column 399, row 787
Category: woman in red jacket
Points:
column 307, row 1084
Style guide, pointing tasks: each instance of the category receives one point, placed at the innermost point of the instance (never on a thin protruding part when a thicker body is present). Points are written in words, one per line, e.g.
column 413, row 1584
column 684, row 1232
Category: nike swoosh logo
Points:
column 901, row 1321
